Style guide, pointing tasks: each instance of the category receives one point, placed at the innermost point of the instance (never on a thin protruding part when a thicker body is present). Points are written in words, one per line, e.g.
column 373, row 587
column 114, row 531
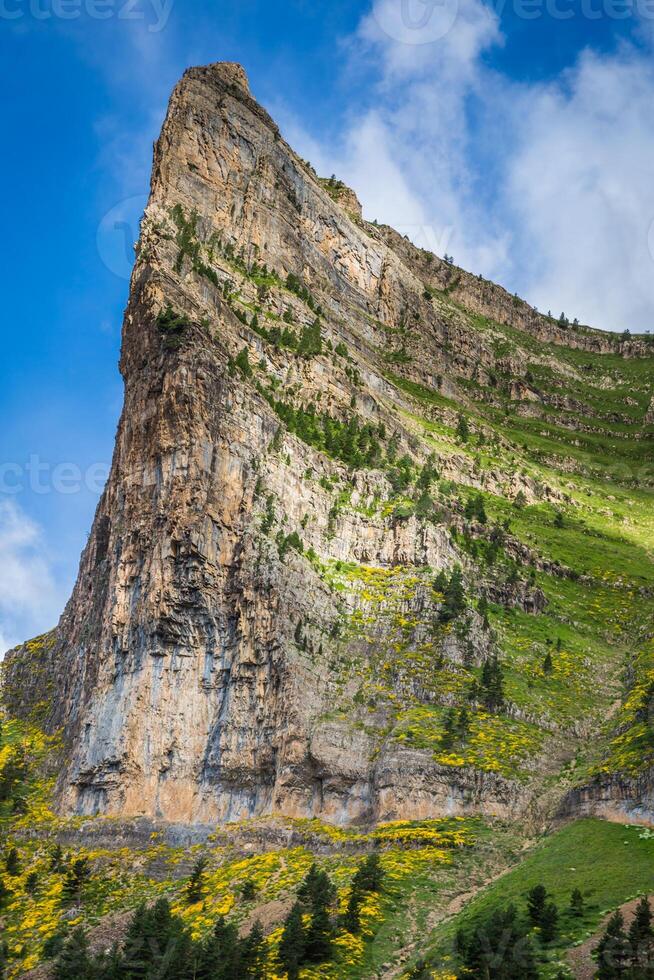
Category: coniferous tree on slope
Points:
column 498, row 948
column 549, row 922
column 292, row 945
column 576, row 903
column 318, row 893
column 492, row 684
column 253, row 954
column 369, row 877
column 641, row 937
column 612, row 951
column 536, row 900
column 158, row 946
column 74, row 961
column 219, row 956
column 196, row 883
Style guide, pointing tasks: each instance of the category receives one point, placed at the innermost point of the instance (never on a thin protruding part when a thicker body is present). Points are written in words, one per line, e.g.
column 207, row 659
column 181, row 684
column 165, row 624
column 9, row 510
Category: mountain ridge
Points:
column 171, row 623
column 370, row 585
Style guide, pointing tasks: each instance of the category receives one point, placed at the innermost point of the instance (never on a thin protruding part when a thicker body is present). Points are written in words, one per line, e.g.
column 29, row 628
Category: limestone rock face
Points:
column 199, row 666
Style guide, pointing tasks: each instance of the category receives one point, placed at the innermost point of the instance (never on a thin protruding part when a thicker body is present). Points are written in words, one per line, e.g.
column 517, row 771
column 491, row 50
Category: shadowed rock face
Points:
column 198, row 667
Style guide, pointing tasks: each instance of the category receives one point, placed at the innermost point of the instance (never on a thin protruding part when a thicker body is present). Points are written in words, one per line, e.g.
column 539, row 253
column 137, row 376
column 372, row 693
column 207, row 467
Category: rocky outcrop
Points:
column 180, row 686
column 613, row 797
column 201, row 667
column 488, row 299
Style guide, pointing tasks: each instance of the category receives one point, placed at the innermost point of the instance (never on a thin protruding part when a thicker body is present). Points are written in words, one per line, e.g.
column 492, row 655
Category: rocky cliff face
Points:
column 255, row 627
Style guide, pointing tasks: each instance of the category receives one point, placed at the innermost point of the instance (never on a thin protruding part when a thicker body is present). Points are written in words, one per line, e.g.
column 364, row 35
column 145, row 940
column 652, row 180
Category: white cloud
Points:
column 408, row 155
column 545, row 188
column 580, row 192
column 29, row 597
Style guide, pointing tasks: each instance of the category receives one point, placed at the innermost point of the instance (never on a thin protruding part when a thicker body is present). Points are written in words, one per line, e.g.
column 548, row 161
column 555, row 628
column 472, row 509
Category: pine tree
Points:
column 492, row 684
column 180, row 958
column 57, row 862
column 474, row 691
column 424, row 506
column 110, row 965
column 351, row 918
column 549, row 922
column 220, row 954
column 463, row 723
column 248, row 890
column 55, row 942
column 292, row 945
column 157, row 944
column 576, row 904
column 12, row 862
column 641, row 935
column 455, row 596
column 536, row 900
column 253, row 954
column 318, row 894
column 612, row 951
column 520, row 500
column 428, row 474
column 449, row 732
column 4, row 893
column 369, row 876
column 242, row 362
column 77, row 874
column 137, row 948
column 74, row 961
column 31, row 882
column 462, row 428
column 498, row 948
column 311, row 340
column 195, row 886
column 548, row 663
column 475, row 509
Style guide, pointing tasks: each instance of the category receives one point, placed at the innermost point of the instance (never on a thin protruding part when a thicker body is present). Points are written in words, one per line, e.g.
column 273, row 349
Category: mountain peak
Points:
column 351, row 485
column 229, row 72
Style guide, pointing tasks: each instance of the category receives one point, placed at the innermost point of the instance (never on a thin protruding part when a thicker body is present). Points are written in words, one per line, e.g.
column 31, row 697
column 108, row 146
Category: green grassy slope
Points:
column 608, row 863
column 535, row 464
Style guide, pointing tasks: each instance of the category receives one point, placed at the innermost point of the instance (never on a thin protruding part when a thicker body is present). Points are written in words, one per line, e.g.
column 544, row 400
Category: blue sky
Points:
column 516, row 135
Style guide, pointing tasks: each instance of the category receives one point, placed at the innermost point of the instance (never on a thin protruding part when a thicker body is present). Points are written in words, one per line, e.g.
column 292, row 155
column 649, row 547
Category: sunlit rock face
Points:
column 219, row 656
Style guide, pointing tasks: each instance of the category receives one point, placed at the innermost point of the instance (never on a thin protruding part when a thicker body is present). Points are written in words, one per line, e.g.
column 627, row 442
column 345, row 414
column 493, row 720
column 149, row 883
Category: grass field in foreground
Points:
column 609, row 863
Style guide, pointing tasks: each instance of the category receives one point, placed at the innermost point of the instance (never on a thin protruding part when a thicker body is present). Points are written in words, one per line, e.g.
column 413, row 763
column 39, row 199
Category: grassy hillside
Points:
column 608, row 863
column 526, row 665
column 59, row 874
